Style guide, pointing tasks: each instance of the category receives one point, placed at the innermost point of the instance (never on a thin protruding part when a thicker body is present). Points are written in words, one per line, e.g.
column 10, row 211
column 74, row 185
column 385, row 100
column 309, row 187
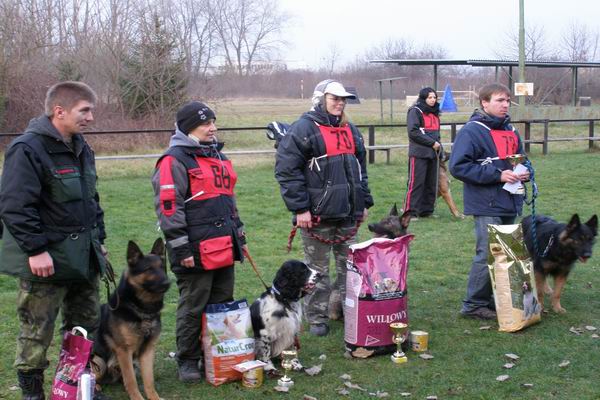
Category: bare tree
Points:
column 536, row 45
column 248, row 31
column 579, row 43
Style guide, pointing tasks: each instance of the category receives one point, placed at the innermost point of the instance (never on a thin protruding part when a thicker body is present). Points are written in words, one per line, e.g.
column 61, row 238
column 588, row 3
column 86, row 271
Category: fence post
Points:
column 527, row 137
column 545, row 144
column 371, row 143
column 452, row 133
column 591, row 135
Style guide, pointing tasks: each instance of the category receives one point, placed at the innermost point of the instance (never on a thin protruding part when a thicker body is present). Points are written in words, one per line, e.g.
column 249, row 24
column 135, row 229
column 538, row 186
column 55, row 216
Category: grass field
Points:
column 466, row 360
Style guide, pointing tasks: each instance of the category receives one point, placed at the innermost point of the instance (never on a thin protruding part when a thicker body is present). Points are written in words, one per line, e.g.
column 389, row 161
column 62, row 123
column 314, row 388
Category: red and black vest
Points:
column 209, row 206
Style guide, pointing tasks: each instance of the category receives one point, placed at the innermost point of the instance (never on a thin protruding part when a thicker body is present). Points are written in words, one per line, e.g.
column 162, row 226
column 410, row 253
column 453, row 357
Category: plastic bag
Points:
column 73, row 359
column 513, row 279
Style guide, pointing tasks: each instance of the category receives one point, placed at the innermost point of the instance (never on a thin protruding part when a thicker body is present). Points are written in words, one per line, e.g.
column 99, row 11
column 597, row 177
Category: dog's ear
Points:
column 394, row 210
column 134, row 254
column 573, row 224
column 158, row 248
column 593, row 224
column 405, row 219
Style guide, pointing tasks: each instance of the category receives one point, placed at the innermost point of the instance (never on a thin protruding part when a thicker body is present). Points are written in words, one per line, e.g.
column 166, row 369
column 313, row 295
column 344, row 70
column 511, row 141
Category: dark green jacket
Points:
column 49, row 202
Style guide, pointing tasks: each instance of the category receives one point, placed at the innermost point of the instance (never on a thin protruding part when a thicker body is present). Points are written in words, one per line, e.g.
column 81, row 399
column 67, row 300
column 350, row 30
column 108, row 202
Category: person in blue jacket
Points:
column 478, row 159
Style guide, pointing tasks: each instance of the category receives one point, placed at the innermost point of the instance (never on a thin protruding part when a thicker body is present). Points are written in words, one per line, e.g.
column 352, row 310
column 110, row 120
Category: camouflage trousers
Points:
column 38, row 304
column 317, row 254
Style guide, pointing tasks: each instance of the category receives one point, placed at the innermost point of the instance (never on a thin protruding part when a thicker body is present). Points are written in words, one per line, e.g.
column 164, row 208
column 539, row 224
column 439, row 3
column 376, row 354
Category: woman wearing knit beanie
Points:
column 196, row 208
column 423, row 125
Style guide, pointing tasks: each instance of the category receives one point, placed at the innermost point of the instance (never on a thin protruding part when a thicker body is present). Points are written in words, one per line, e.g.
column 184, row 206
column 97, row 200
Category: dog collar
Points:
column 274, row 290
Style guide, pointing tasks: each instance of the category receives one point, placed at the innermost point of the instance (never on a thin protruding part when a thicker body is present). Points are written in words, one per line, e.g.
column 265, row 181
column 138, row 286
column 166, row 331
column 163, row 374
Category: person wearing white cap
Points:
column 321, row 170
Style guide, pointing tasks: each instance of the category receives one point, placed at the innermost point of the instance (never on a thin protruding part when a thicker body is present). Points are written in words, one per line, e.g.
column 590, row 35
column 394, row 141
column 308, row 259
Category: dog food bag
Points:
column 513, row 280
column 227, row 340
column 73, row 358
column 376, row 295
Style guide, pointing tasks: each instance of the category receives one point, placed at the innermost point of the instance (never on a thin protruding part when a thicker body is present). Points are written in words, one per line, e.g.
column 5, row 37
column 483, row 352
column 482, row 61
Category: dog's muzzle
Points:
column 311, row 283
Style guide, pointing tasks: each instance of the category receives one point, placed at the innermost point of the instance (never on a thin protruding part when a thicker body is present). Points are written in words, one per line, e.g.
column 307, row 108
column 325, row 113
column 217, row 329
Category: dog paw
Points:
column 559, row 310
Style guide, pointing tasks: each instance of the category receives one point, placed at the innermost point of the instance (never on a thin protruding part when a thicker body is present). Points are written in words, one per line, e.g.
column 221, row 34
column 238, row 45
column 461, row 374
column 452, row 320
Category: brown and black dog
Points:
column 559, row 246
column 130, row 322
column 391, row 226
column 444, row 186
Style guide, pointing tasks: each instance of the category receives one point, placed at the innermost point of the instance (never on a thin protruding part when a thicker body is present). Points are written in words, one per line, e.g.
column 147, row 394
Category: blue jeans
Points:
column 479, row 286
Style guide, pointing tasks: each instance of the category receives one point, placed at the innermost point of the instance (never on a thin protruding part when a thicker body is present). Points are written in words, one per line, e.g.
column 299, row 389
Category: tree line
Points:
column 146, row 57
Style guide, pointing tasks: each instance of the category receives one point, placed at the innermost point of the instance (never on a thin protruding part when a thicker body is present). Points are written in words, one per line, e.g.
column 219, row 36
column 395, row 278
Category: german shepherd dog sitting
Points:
column 277, row 313
column 130, row 322
column 559, row 247
column 391, row 227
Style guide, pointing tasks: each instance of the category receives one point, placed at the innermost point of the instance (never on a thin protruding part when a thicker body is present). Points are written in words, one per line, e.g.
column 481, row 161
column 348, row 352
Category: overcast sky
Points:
column 467, row 29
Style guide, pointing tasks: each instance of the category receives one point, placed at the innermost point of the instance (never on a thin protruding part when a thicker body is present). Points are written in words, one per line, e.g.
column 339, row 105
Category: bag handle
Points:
column 79, row 329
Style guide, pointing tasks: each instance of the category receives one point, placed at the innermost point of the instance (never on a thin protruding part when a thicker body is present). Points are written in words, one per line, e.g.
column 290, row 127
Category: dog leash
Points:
column 109, row 278
column 247, row 255
column 320, row 238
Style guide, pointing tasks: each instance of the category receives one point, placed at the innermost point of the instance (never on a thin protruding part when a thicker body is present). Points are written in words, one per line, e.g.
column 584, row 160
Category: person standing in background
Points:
column 424, row 148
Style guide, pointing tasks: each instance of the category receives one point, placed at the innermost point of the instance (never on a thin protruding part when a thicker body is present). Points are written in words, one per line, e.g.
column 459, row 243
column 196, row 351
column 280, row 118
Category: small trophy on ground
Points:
column 514, row 160
column 399, row 329
column 287, row 356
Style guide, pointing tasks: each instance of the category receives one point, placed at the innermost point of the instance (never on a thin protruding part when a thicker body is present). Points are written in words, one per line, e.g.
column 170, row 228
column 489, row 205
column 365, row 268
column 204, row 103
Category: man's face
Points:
column 498, row 105
column 76, row 119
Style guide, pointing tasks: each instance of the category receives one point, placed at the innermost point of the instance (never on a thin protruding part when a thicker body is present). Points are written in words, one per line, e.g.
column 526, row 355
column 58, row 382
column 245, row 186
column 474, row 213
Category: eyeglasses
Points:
column 336, row 99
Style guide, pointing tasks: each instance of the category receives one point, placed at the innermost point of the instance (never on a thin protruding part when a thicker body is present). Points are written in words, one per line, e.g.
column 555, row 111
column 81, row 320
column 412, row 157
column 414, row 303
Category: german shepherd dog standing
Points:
column 130, row 322
column 391, row 227
column 559, row 247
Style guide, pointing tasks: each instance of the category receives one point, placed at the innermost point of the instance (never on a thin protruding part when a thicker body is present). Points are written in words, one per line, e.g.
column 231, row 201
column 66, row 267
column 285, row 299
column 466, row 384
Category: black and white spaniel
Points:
column 277, row 313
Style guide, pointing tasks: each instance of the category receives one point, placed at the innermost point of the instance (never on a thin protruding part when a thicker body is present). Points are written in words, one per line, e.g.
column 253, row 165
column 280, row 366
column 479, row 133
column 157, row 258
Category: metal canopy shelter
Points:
column 497, row 64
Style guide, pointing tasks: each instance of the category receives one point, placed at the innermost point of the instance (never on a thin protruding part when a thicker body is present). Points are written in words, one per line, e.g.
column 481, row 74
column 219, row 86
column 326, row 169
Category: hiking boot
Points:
column 188, row 371
column 319, row 329
column 480, row 313
column 31, row 384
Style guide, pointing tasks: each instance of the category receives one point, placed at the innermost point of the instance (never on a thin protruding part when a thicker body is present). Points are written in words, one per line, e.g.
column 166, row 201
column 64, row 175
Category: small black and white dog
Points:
column 277, row 313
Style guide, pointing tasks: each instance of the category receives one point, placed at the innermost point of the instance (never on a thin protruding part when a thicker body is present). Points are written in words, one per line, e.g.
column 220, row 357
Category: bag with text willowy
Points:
column 376, row 295
column 227, row 340
column 513, row 278
column 73, row 359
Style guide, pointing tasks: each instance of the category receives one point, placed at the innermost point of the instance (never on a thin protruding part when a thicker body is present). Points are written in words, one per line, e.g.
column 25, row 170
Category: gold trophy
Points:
column 514, row 160
column 399, row 329
column 287, row 356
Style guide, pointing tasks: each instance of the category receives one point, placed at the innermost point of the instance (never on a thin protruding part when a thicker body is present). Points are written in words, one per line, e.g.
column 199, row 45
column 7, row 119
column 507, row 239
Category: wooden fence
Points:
column 372, row 145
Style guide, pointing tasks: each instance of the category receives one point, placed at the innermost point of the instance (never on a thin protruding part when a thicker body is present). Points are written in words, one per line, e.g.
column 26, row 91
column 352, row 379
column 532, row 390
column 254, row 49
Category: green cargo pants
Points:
column 38, row 304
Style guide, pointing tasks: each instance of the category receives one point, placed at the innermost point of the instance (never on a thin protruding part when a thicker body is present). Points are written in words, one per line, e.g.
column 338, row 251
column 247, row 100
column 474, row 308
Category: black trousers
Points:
column 196, row 290
column 421, row 186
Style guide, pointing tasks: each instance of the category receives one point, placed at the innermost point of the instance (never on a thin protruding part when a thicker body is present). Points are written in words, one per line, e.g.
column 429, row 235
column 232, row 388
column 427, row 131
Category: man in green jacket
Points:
column 53, row 228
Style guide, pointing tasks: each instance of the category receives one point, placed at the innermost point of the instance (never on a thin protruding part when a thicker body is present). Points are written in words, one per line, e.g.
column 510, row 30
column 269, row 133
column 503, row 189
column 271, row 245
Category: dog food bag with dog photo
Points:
column 227, row 340
column 73, row 358
column 376, row 294
column 513, row 279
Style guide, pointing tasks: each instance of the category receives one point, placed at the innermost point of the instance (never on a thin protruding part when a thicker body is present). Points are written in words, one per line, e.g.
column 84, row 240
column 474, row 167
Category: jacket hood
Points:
column 43, row 126
column 181, row 139
column 489, row 120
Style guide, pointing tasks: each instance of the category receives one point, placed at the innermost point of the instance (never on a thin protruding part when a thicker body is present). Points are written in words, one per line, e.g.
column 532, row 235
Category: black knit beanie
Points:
column 192, row 115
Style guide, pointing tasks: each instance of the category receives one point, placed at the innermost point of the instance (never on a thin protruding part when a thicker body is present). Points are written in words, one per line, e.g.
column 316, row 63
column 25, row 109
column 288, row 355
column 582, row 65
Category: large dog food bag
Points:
column 513, row 280
column 376, row 295
column 227, row 340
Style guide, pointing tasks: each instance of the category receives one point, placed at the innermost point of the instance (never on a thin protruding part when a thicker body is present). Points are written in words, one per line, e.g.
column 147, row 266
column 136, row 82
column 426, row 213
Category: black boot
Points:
column 32, row 384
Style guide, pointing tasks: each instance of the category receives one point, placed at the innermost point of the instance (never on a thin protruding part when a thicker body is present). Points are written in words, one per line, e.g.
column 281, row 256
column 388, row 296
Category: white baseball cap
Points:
column 332, row 87
column 337, row 89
